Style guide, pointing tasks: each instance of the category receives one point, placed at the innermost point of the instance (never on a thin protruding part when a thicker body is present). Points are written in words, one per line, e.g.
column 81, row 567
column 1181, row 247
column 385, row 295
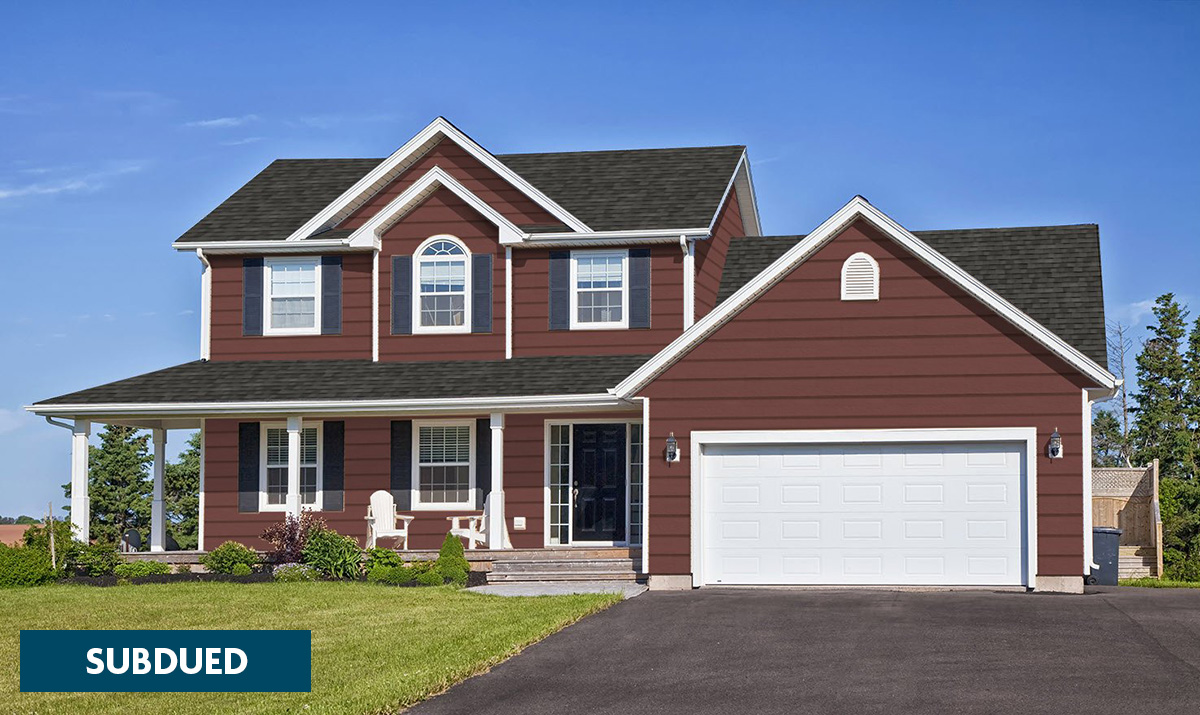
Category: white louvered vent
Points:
column 860, row 278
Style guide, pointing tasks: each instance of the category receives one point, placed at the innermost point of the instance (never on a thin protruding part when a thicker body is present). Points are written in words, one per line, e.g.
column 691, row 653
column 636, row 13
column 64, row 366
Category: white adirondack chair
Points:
column 473, row 527
column 384, row 522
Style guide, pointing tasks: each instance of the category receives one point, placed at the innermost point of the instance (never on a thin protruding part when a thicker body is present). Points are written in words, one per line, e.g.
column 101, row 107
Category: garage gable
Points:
column 859, row 218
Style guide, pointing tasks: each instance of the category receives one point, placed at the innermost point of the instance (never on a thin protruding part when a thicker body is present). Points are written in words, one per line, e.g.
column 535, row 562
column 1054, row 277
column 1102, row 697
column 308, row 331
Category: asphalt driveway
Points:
column 1117, row 650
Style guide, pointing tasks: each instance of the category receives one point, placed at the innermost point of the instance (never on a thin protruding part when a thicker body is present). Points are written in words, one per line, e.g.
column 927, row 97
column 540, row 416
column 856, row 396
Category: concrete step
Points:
column 494, row 577
column 573, row 565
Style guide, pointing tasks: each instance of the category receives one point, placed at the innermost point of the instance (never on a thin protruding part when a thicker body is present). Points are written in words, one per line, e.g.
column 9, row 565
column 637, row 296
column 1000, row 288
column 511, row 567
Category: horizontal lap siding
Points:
column 710, row 255
column 468, row 171
column 441, row 213
column 926, row 355
column 531, row 310
column 228, row 343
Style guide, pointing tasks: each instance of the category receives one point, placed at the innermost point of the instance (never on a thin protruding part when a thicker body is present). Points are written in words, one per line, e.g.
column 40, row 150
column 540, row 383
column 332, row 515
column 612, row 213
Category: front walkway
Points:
column 1123, row 650
column 561, row 588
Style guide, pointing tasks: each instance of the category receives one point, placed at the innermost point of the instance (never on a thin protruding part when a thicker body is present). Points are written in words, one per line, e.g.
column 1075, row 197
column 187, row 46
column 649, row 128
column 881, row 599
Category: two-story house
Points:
column 601, row 350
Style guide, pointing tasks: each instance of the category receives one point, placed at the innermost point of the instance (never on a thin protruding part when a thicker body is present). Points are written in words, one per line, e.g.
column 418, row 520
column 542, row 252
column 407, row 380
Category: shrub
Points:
column 134, row 569
column 291, row 573
column 290, row 536
column 95, row 559
column 241, row 570
column 334, row 555
column 392, row 575
column 229, row 554
column 430, row 578
column 183, row 568
column 24, row 566
column 451, row 562
column 381, row 557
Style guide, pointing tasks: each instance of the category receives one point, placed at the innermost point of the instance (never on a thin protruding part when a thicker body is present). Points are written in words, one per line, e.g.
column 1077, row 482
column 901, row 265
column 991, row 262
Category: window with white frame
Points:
column 599, row 289
column 445, row 476
column 442, row 278
column 274, row 478
column 293, row 295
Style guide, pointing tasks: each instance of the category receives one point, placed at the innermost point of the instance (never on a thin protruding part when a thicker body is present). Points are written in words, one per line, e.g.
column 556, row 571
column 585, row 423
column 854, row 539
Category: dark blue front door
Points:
column 599, row 474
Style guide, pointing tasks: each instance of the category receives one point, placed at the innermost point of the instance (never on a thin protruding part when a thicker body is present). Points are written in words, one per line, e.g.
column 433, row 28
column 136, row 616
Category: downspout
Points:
column 508, row 303
column 205, row 305
column 688, row 246
column 56, row 423
column 375, row 306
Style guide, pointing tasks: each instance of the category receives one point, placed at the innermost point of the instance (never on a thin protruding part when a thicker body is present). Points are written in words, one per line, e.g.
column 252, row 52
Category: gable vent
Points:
column 860, row 278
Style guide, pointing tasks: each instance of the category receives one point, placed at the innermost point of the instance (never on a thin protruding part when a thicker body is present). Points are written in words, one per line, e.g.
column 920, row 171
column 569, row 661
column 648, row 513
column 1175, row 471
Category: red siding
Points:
column 442, row 212
column 925, row 355
column 710, row 255
column 228, row 343
column 474, row 176
column 368, row 468
column 531, row 310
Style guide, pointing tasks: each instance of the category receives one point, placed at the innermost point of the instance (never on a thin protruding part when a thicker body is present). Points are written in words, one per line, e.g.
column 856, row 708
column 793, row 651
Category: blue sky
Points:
column 123, row 124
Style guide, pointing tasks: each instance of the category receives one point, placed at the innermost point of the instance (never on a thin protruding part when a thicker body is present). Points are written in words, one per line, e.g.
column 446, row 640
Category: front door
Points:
column 599, row 483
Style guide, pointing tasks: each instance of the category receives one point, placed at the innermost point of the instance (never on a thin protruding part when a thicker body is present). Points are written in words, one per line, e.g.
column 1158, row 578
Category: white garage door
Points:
column 936, row 514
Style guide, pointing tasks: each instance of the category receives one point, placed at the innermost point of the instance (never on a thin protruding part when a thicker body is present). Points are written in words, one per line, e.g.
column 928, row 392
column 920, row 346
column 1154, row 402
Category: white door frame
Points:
column 571, row 452
column 700, row 440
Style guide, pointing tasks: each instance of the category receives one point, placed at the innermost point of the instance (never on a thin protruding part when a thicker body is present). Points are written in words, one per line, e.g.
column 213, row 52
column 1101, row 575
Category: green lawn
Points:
column 375, row 648
column 1158, row 583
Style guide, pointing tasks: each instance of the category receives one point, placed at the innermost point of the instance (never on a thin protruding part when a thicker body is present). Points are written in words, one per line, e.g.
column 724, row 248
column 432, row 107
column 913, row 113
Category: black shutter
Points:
column 639, row 287
column 333, row 466
column 252, row 296
column 248, row 437
column 483, row 460
column 402, row 447
column 331, row 295
column 481, row 294
column 402, row 295
column 560, row 290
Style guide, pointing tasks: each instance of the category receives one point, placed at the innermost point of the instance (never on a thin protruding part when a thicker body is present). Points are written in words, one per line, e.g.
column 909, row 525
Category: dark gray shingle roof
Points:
column 1052, row 273
column 287, row 380
column 607, row 190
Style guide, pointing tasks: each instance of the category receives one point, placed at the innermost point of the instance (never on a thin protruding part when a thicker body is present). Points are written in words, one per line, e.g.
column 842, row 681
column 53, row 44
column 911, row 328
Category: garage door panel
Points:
column 938, row 514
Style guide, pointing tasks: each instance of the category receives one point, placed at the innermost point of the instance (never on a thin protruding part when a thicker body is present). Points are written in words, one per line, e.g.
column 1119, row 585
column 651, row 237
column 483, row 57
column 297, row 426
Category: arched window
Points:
column 442, row 277
column 860, row 278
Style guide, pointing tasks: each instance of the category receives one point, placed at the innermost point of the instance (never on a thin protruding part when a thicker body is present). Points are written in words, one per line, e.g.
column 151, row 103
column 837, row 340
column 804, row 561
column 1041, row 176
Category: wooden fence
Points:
column 1127, row 498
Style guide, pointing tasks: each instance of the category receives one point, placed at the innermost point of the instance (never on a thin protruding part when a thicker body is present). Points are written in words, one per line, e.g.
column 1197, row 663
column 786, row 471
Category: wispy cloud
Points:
column 86, row 182
column 185, row 312
column 1133, row 313
column 241, row 142
column 223, row 122
column 12, row 420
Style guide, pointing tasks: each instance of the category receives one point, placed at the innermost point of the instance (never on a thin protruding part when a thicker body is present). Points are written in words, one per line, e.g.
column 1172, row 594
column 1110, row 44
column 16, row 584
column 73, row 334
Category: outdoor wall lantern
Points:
column 1055, row 448
column 671, row 453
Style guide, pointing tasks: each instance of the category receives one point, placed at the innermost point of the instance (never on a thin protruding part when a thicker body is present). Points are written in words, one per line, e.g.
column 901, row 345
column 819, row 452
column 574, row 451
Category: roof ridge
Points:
column 621, row 151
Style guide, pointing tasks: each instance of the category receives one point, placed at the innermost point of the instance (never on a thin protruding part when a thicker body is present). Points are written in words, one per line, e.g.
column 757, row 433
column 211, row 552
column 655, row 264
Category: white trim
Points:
column 531, row 403
column 741, row 182
column 415, row 487
column 497, row 527
column 857, row 208
column 874, row 266
column 158, row 504
column 417, row 260
column 645, row 569
column 403, row 157
column 375, row 305
column 689, row 281
column 571, row 422
column 508, row 303
column 263, row 504
column 315, row 245
column 81, row 503
column 268, row 266
column 622, row 324
column 205, row 306
column 602, row 239
column 200, row 511
column 699, row 440
column 370, row 233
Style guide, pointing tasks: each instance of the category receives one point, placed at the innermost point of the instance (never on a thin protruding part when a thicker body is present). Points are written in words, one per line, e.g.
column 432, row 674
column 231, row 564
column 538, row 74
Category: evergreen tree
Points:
column 1191, row 400
column 1161, row 430
column 181, row 491
column 119, row 484
column 1107, row 441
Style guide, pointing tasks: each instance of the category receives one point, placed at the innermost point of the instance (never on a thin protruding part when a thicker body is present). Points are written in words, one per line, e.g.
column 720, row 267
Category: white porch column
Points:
column 158, row 510
column 294, row 424
column 81, row 505
column 495, row 527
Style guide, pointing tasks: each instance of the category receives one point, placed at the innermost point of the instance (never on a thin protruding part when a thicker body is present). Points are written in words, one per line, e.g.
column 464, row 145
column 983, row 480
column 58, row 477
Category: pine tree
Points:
column 1161, row 429
column 1107, row 441
column 181, row 490
column 119, row 484
column 1191, row 400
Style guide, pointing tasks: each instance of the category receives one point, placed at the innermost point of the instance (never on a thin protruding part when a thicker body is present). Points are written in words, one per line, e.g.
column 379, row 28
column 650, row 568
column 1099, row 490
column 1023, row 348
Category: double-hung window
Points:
column 445, row 474
column 599, row 289
column 293, row 296
column 442, row 276
column 274, row 478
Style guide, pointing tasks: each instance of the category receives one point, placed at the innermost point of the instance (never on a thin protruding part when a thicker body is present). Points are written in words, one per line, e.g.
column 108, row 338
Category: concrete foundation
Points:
column 670, row 582
column 1059, row 584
